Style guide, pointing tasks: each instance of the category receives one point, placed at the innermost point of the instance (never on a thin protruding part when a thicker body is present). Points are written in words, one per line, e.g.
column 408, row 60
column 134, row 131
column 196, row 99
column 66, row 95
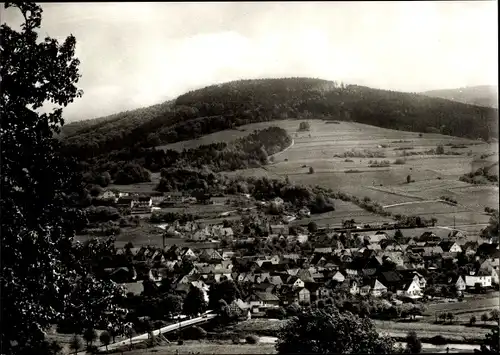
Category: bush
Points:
column 311, row 170
column 349, row 161
column 180, row 342
column 195, row 333
column 399, row 161
column 252, row 339
column 438, row 340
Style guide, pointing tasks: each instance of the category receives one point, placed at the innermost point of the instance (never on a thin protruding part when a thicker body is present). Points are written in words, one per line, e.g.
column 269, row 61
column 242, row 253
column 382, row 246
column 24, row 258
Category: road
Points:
column 164, row 330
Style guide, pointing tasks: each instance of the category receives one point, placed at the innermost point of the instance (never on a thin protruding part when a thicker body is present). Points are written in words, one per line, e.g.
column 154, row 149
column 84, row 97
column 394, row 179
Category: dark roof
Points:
column 446, row 245
column 125, row 199
column 390, row 277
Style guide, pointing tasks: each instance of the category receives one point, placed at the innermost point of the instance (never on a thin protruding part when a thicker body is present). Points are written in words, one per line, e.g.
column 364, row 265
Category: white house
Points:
column 411, row 289
column 108, row 195
column 481, row 277
column 338, row 277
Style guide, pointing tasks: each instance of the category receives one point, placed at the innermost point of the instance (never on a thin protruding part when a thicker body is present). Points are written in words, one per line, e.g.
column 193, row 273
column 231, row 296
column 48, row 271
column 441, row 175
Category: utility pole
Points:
column 454, row 220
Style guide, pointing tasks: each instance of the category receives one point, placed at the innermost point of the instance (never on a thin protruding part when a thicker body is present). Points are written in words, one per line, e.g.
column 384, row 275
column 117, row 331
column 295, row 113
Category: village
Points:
column 312, row 266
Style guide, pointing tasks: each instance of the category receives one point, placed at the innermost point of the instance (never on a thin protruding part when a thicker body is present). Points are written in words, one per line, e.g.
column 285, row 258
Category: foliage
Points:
column 311, row 170
column 225, row 290
column 89, row 335
column 413, row 343
column 491, row 344
column 481, row 176
column 105, row 339
column 312, row 227
column 252, row 339
column 194, row 302
column 40, row 190
column 75, row 343
column 304, row 126
column 130, row 174
column 236, row 103
column 318, row 331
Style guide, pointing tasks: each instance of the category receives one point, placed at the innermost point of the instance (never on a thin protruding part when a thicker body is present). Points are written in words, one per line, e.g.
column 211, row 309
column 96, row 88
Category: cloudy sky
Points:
column 138, row 54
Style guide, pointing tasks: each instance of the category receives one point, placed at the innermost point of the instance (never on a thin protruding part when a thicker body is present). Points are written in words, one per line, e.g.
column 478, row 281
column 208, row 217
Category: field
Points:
column 198, row 347
column 434, row 175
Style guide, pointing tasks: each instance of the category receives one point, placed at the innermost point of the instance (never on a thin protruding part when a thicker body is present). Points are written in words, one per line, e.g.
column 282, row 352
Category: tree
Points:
column 440, row 149
column 304, row 126
column 225, row 290
column 450, row 316
column 408, row 179
column 195, row 302
column 312, row 227
column 41, row 186
column 413, row 343
column 311, row 170
column 495, row 315
column 484, row 317
column 321, row 332
column 491, row 344
column 472, row 320
column 89, row 335
column 105, row 339
column 75, row 343
column 398, row 235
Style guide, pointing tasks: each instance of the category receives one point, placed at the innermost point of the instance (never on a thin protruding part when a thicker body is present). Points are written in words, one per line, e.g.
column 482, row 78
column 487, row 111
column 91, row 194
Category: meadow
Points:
column 341, row 154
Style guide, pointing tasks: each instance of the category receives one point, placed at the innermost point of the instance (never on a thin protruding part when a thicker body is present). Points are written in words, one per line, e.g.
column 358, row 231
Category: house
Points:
column 107, row 195
column 373, row 238
column 187, row 254
column 481, row 278
column 414, row 275
column 125, row 202
column 279, row 229
column 459, row 283
column 375, row 288
column 295, row 282
column 491, row 266
column 226, row 233
column 268, row 299
column 469, row 248
column 338, row 277
column 143, row 202
column 410, row 289
column 157, row 200
column 304, row 296
column 135, row 288
column 327, row 250
column 210, row 256
column 450, row 247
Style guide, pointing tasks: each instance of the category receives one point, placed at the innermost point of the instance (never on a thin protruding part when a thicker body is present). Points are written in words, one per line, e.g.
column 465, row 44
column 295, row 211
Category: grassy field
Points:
column 198, row 347
column 434, row 175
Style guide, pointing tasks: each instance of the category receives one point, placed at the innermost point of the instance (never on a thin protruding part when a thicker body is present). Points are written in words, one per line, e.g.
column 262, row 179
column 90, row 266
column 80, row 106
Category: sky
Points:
column 139, row 54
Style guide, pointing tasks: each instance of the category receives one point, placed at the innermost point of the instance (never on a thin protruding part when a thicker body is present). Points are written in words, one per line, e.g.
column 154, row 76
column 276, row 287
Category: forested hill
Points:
column 484, row 95
column 224, row 106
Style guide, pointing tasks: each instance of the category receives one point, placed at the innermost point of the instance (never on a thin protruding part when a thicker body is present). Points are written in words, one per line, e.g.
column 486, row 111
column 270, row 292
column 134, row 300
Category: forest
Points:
column 237, row 103
column 129, row 166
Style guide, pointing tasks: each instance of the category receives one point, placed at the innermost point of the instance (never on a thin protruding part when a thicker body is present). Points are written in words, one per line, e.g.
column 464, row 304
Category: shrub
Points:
column 252, row 339
column 349, row 161
column 399, row 161
column 311, row 170
column 180, row 342
column 352, row 171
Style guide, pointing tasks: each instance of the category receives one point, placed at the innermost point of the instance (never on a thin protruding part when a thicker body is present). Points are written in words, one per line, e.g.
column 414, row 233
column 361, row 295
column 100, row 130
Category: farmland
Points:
column 340, row 155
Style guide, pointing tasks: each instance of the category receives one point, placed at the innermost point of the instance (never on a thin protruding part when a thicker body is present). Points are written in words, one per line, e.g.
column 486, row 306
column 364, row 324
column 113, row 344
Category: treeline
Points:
column 134, row 165
column 232, row 104
column 481, row 176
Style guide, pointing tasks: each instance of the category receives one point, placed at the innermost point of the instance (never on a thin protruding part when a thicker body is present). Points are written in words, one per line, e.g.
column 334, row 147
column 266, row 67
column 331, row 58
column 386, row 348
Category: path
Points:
column 410, row 203
column 164, row 330
column 284, row 150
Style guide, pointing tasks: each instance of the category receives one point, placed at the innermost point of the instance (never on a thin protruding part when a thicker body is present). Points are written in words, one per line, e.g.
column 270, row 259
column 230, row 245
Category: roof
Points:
column 134, row 287
column 391, row 276
column 266, row 296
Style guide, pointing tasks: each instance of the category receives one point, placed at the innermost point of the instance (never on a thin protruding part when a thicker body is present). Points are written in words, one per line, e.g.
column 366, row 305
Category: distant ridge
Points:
column 482, row 95
column 228, row 105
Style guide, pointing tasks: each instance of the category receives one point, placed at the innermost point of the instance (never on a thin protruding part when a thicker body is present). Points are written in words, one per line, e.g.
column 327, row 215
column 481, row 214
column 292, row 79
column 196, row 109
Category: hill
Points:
column 237, row 103
column 484, row 95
